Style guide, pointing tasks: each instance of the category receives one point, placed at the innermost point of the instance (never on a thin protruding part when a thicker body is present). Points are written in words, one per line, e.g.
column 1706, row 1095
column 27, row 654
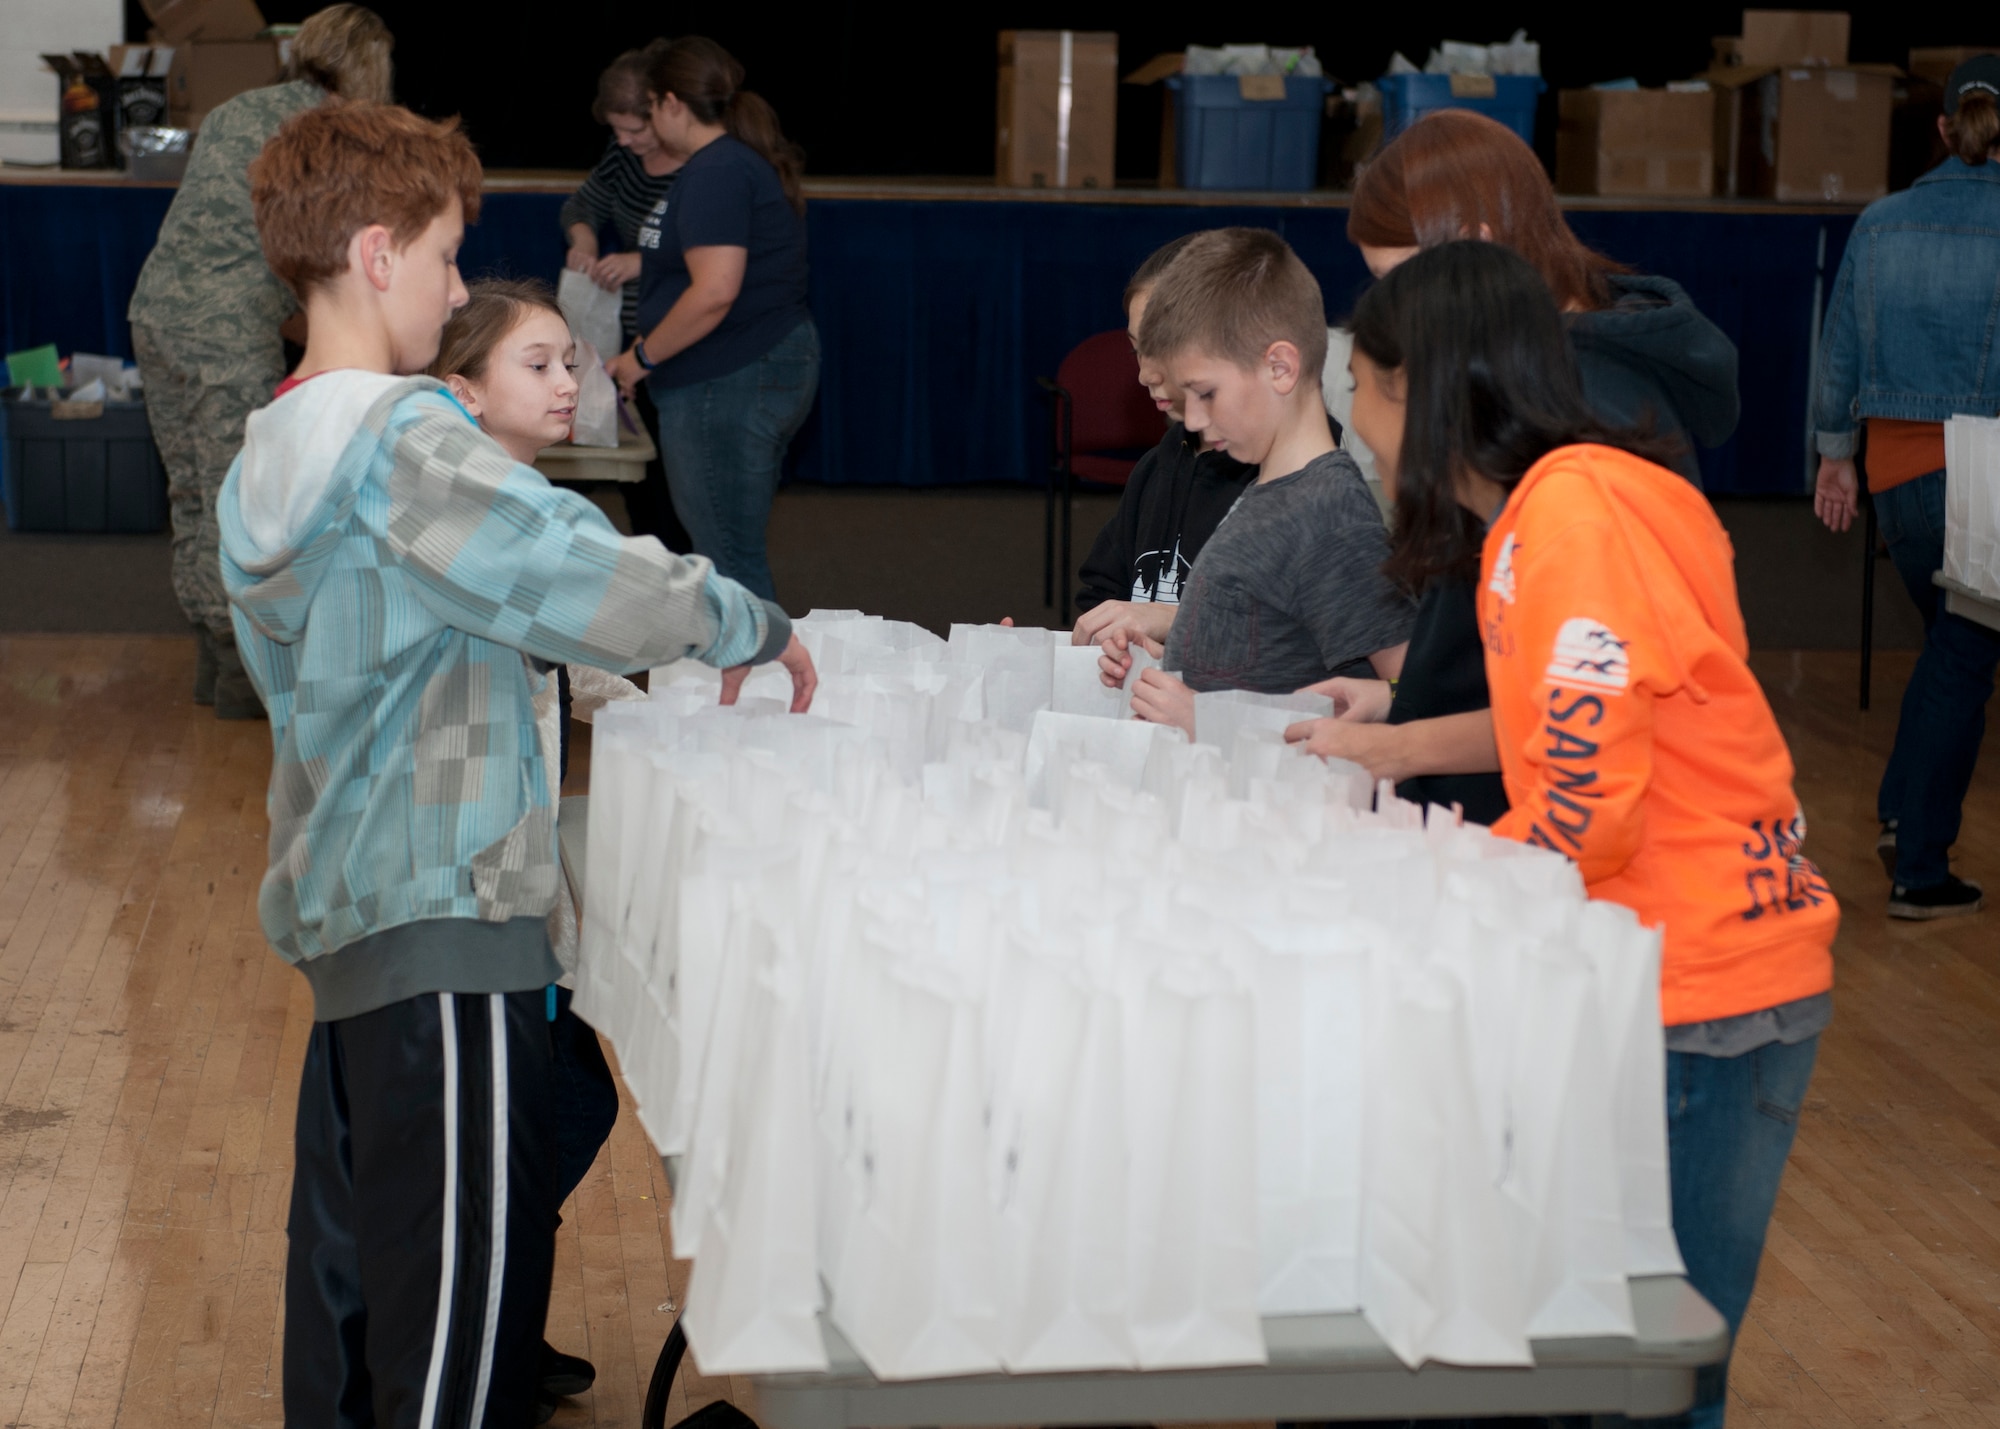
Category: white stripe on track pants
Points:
column 423, row 1216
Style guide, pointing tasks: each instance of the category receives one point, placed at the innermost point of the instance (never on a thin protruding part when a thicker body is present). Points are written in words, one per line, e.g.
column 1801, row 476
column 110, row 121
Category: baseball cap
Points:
column 1981, row 73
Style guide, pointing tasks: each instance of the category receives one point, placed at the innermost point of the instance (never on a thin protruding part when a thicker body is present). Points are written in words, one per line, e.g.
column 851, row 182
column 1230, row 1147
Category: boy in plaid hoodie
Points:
column 398, row 584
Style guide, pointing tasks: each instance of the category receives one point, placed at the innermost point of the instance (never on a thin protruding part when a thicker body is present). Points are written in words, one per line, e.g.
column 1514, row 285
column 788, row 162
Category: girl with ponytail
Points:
column 726, row 346
column 1908, row 343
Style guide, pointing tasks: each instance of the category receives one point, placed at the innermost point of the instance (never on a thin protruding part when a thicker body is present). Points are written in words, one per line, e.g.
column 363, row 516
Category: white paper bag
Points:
column 1058, row 1165
column 1438, row 1272
column 1626, row 958
column 1193, row 1181
column 596, row 420
column 1311, row 989
column 592, row 312
column 915, row 1291
column 1220, row 715
column 753, row 1301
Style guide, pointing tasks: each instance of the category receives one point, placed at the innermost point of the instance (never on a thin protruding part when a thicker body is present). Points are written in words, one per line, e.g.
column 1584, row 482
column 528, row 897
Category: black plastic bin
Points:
column 80, row 474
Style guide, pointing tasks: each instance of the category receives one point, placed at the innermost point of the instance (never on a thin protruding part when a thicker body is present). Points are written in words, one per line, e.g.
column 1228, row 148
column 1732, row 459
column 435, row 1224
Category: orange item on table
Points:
column 1633, row 737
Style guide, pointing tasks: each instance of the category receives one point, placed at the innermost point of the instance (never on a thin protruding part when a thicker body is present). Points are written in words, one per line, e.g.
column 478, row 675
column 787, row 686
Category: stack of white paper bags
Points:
column 1972, row 504
column 1017, row 1034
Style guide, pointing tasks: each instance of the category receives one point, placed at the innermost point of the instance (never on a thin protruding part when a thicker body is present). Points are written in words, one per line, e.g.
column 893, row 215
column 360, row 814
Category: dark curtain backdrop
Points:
column 879, row 89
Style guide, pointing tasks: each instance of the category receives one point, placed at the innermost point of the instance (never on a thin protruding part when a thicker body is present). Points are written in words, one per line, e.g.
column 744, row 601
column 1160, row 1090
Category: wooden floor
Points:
column 150, row 1044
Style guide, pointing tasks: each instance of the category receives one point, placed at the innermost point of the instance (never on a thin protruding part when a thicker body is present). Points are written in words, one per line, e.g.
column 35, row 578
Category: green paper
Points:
column 37, row 367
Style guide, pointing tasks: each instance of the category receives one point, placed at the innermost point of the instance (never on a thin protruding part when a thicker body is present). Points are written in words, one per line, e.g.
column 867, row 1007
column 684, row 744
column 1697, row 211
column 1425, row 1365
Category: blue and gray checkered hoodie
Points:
column 390, row 567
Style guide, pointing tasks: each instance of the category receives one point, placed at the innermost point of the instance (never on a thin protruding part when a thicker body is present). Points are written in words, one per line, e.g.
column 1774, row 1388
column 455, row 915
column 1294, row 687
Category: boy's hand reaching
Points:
column 805, row 679
column 1362, row 701
column 1128, row 619
column 1160, row 698
column 1114, row 665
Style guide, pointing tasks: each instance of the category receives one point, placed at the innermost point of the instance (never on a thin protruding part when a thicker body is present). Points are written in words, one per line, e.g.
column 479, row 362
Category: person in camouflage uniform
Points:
column 209, row 320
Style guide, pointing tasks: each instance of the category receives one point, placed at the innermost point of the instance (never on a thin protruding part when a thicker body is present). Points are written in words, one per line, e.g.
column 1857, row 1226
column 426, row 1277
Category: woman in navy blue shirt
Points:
column 726, row 346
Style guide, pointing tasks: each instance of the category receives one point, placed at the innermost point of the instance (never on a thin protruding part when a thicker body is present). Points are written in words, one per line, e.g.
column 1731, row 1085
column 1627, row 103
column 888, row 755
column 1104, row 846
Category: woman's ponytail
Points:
column 751, row 119
column 1974, row 129
column 709, row 81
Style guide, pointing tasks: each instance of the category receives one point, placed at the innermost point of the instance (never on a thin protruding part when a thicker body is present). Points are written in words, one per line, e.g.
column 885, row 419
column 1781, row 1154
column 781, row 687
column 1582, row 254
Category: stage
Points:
column 939, row 303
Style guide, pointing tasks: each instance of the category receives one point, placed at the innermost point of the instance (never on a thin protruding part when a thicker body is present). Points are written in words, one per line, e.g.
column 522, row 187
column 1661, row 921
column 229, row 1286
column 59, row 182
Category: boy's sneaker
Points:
column 1885, row 848
column 564, row 1375
column 1941, row 900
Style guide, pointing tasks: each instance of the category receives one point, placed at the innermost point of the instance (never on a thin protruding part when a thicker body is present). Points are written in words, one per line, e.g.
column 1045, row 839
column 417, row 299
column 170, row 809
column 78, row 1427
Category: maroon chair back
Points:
column 1110, row 411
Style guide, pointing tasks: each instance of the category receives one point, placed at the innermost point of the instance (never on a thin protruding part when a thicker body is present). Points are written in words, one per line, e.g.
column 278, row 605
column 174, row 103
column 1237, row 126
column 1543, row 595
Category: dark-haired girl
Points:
column 1632, row 735
column 726, row 346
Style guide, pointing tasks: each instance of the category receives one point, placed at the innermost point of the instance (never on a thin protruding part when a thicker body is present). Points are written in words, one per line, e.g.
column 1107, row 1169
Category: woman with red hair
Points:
column 1646, row 354
column 1648, row 361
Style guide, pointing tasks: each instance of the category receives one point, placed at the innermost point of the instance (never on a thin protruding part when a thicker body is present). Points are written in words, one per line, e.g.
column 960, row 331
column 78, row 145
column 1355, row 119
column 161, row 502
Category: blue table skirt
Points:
column 936, row 316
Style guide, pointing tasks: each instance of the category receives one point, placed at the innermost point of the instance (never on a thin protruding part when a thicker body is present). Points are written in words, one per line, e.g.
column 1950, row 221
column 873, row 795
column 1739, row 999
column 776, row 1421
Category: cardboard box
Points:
column 1645, row 142
column 204, row 74
column 1058, row 119
column 1934, row 65
column 1804, row 134
column 1794, row 37
column 176, row 22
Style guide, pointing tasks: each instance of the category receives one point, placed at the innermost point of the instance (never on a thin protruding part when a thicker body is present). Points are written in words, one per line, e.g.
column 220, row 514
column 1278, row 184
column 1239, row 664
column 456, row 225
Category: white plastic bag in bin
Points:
column 596, row 420
column 592, row 312
column 1972, row 504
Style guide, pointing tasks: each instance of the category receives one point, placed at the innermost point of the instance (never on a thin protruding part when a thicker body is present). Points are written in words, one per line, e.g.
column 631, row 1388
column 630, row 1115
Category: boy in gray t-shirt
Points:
column 1289, row 590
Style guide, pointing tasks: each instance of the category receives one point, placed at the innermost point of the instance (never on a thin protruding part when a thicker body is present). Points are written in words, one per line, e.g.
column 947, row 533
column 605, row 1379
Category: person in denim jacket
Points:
column 1909, row 341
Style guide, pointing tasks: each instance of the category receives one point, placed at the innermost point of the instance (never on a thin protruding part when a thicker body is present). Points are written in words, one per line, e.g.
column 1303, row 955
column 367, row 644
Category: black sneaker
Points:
column 546, row 1405
column 1941, row 900
column 563, row 1374
column 1885, row 848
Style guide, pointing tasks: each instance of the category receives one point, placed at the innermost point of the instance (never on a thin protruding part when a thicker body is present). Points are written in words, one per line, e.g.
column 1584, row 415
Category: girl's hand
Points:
column 1363, row 701
column 805, row 679
column 580, row 258
column 1114, row 663
column 614, row 270
column 1125, row 618
column 1372, row 746
column 625, row 371
column 1160, row 698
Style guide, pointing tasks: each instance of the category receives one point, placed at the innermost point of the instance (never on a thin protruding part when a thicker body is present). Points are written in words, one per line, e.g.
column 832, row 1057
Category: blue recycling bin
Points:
column 1225, row 141
column 1406, row 98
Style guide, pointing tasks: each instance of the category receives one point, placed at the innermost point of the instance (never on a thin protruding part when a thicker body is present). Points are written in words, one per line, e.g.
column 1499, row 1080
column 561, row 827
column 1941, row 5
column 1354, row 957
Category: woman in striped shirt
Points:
column 633, row 176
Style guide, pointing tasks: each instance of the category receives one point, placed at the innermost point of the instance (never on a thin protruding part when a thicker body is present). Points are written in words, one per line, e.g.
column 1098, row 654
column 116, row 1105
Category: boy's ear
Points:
column 372, row 250
column 1282, row 366
column 462, row 390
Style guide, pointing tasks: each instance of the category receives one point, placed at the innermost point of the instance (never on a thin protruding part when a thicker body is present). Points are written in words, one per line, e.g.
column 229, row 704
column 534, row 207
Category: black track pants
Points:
column 423, row 1216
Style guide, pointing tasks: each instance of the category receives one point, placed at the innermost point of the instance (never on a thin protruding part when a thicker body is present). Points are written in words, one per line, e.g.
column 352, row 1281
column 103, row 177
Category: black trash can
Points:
column 69, row 466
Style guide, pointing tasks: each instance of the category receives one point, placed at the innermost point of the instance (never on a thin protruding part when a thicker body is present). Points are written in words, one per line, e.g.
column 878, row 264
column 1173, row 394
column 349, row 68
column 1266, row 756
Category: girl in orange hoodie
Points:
column 1633, row 737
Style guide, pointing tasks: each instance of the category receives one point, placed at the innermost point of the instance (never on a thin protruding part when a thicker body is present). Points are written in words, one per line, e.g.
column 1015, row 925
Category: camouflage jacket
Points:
column 205, row 293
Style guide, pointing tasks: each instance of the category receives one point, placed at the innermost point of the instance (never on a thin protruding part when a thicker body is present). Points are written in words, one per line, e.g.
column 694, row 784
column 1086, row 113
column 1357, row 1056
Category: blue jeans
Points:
column 1944, row 705
column 724, row 445
column 1730, row 1122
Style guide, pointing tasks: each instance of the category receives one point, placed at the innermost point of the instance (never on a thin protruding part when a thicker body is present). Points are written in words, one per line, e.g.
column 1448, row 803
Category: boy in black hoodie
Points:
column 1177, row 496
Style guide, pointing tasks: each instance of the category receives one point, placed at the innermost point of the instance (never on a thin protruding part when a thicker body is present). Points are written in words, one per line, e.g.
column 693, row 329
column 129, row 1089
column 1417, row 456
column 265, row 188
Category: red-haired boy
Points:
column 397, row 582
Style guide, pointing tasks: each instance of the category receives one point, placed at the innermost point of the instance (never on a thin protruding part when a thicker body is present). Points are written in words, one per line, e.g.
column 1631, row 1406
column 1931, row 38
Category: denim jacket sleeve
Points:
column 1839, row 364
